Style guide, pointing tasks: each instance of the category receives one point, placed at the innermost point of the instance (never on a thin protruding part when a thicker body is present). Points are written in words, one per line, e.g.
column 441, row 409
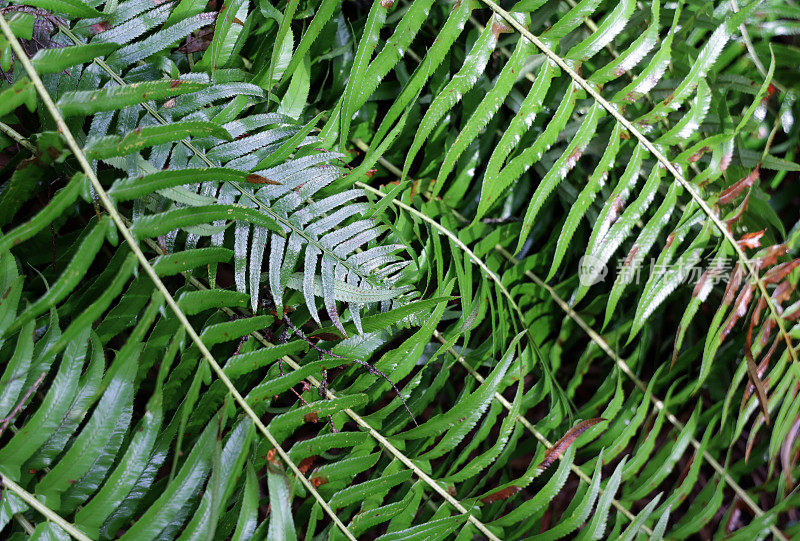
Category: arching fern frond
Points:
column 453, row 182
column 353, row 268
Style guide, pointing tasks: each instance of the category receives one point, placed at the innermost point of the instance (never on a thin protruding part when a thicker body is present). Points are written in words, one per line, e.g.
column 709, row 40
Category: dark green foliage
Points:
column 388, row 226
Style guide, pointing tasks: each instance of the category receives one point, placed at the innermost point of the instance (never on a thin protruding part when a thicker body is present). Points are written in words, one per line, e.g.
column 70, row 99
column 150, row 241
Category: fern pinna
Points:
column 398, row 270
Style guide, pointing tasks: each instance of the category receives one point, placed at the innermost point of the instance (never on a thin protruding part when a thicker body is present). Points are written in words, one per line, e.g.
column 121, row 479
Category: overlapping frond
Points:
column 260, row 171
column 451, row 181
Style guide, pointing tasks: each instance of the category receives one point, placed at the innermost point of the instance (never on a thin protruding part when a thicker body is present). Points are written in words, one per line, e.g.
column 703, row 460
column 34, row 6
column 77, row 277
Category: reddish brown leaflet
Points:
column 561, row 446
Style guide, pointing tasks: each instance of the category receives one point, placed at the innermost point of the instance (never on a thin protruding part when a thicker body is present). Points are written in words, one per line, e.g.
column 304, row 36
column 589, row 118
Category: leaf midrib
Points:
column 661, row 158
column 286, row 222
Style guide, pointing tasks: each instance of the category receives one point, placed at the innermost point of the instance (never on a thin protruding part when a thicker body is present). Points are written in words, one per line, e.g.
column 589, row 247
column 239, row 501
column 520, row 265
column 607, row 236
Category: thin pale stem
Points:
column 771, row 138
column 657, row 402
column 360, row 421
column 623, row 366
column 133, row 245
column 25, row 523
column 17, row 137
column 676, row 173
column 201, row 155
column 31, row 500
column 532, row 429
column 316, row 383
column 751, row 51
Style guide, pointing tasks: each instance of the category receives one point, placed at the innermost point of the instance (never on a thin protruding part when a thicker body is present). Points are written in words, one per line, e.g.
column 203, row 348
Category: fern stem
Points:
column 123, row 229
column 751, row 51
column 657, row 402
column 356, row 417
column 374, row 433
column 500, row 398
column 595, row 337
column 352, row 414
column 505, row 291
column 17, row 137
column 478, row 261
column 31, row 500
column 25, row 523
column 288, row 225
column 532, row 429
column 646, row 143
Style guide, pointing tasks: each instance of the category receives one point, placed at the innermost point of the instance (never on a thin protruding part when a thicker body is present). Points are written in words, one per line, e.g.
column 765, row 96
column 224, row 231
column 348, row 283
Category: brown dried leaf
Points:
column 102, row 26
column 729, row 223
column 733, row 285
column 780, row 271
column 756, row 317
column 762, row 368
column 755, row 379
column 502, row 494
column 253, row 178
column 319, row 481
column 499, row 27
column 782, row 293
column 729, row 194
column 697, row 155
column 561, row 446
column 739, row 310
column 631, row 255
column 771, row 256
column 199, row 41
column 306, row 463
column 751, row 240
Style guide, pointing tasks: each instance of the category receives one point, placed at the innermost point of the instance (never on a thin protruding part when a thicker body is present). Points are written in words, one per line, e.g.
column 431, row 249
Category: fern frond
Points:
column 415, row 169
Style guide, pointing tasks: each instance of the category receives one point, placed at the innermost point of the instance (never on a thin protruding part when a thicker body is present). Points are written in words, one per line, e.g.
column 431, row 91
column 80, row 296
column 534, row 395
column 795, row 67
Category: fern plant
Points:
column 398, row 270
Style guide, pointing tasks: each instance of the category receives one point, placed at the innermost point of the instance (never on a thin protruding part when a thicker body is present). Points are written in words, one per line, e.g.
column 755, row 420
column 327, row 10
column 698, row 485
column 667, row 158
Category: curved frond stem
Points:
column 148, row 268
column 676, row 173
column 505, row 403
column 478, row 261
column 48, row 513
column 17, row 137
column 532, row 429
column 657, row 402
column 25, row 523
column 751, row 51
column 453, row 237
column 600, row 341
column 360, row 421
column 771, row 137
column 461, row 360
column 463, row 247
